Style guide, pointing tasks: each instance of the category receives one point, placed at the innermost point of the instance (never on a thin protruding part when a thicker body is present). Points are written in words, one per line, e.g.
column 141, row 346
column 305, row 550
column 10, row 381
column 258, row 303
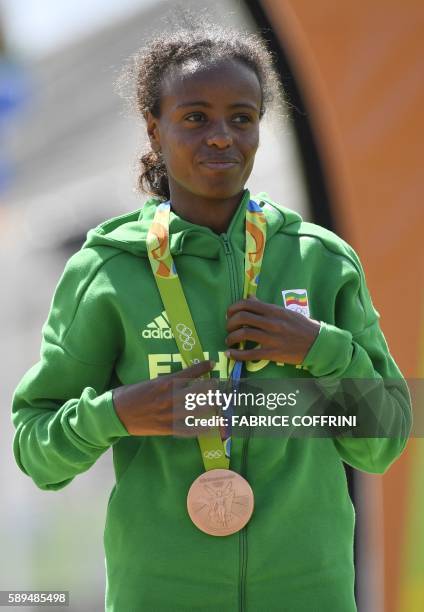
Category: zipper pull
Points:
column 227, row 247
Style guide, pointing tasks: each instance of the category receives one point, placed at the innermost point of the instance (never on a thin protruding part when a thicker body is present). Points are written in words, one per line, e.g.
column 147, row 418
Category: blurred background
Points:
column 345, row 153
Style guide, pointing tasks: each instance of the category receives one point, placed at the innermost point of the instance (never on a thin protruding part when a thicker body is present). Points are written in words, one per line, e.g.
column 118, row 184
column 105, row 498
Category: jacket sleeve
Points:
column 355, row 348
column 62, row 408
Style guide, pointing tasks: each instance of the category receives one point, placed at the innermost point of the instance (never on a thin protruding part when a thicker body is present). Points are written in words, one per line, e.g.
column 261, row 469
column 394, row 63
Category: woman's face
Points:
column 208, row 129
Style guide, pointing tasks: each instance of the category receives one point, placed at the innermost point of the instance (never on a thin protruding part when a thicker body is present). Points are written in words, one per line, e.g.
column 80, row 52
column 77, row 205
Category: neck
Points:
column 213, row 213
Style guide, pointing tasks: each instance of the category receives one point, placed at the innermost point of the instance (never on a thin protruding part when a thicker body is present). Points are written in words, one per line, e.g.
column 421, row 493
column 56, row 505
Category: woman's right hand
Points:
column 146, row 408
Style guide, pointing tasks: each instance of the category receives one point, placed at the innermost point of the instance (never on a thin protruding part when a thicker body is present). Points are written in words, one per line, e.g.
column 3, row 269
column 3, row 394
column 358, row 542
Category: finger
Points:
column 251, row 305
column 248, row 354
column 195, row 371
column 193, row 385
column 204, row 385
column 243, row 317
column 204, row 388
column 247, row 333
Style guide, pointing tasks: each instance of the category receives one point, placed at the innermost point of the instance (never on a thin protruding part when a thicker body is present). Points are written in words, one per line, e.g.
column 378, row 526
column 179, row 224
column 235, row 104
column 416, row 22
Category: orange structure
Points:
column 359, row 68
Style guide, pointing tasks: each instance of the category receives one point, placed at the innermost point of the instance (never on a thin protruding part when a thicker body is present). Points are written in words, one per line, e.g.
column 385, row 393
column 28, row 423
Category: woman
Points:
column 112, row 350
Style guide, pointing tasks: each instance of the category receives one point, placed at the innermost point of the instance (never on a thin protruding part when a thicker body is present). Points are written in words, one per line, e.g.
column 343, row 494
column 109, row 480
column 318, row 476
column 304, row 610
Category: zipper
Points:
column 243, row 533
column 236, row 295
column 234, row 281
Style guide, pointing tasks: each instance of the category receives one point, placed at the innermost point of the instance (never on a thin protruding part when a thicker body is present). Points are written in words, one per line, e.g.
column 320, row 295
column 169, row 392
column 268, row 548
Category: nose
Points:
column 220, row 136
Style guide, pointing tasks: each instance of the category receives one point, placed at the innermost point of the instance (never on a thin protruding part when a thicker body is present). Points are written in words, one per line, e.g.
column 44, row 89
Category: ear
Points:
column 153, row 131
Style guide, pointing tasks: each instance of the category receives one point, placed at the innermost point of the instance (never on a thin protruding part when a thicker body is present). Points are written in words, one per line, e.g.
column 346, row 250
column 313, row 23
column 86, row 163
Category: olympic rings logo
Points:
column 213, row 454
column 185, row 336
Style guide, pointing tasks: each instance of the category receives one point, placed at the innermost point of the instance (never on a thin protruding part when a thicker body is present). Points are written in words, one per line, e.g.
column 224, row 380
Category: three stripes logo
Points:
column 158, row 328
column 161, row 329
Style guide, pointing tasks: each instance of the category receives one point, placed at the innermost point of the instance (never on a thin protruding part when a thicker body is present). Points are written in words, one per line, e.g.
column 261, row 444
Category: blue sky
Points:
column 35, row 27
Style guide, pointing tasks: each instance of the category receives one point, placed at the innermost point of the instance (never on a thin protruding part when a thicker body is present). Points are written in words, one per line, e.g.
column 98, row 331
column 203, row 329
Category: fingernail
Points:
column 227, row 353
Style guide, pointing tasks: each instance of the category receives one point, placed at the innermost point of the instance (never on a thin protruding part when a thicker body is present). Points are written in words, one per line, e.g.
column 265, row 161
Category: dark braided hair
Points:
column 207, row 43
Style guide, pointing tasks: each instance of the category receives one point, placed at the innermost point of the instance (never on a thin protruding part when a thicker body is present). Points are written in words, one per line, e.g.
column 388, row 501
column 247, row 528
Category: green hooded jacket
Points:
column 107, row 327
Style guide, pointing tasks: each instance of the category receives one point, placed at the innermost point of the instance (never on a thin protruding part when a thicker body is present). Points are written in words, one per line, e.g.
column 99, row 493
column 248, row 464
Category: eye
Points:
column 194, row 117
column 242, row 119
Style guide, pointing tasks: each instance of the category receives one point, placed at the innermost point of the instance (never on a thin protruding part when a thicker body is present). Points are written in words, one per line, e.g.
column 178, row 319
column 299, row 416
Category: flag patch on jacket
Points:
column 297, row 300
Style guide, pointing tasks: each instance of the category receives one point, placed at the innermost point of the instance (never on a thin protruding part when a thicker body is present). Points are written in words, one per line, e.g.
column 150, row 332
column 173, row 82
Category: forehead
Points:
column 227, row 80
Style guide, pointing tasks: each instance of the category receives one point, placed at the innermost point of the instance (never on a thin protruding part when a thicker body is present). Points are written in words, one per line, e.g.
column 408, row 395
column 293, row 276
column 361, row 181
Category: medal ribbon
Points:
column 215, row 451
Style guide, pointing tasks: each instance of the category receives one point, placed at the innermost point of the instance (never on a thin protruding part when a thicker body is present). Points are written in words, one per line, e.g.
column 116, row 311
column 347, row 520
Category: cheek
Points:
column 251, row 143
column 178, row 153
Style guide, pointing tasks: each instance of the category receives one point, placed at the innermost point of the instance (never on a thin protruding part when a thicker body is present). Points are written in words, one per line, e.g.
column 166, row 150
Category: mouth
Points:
column 220, row 164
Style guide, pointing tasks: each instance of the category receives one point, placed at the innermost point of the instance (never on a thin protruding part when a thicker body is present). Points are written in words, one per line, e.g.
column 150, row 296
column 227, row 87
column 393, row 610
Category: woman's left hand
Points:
column 284, row 336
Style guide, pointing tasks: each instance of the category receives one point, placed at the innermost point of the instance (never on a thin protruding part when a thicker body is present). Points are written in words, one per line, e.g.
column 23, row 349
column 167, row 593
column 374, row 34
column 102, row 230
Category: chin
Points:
column 219, row 191
column 210, row 187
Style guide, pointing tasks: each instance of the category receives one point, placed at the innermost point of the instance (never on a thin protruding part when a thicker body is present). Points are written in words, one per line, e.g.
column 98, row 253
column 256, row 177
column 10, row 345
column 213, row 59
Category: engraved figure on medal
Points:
column 220, row 502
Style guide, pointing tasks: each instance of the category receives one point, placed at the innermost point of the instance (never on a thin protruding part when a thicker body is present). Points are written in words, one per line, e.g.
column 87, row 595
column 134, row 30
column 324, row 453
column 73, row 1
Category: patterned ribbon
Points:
column 215, row 451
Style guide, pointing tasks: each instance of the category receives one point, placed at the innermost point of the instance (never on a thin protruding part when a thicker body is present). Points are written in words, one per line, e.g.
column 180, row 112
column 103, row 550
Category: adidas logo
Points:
column 158, row 328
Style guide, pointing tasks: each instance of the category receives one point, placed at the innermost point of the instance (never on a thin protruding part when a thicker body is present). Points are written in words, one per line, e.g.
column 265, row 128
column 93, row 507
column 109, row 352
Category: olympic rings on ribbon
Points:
column 213, row 454
column 186, row 336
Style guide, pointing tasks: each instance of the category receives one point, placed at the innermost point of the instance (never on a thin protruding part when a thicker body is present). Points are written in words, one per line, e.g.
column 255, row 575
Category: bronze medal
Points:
column 220, row 502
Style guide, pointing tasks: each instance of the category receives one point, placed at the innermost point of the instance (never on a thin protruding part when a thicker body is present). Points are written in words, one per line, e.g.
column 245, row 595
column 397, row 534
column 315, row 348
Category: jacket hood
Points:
column 129, row 232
